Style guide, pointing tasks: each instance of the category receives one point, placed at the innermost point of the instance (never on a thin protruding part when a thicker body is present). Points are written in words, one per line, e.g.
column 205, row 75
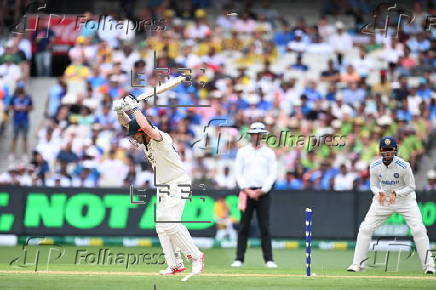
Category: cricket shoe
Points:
column 237, row 264
column 197, row 264
column 429, row 270
column 354, row 268
column 271, row 264
column 173, row 270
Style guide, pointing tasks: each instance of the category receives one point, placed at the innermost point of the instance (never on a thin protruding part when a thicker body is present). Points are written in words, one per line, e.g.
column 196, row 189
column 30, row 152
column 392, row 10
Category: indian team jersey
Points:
column 164, row 158
column 397, row 176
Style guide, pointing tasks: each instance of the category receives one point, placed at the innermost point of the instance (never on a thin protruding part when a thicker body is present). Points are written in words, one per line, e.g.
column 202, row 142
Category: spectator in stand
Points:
column 85, row 175
column 42, row 169
column 82, row 51
column 144, row 178
column 17, row 55
column 431, row 180
column 10, row 177
column 59, row 180
column 364, row 182
column 406, row 62
column 331, row 74
column 353, row 94
column 43, row 37
column 418, row 43
column 283, row 36
column 113, row 171
column 224, row 222
column 312, row 92
column 54, row 100
column 321, row 178
column 226, row 180
column 107, row 119
column 299, row 65
column 363, row 64
column 402, row 92
column 344, row 180
column 66, row 155
column 350, row 75
column 384, row 88
column 341, row 42
column 10, row 73
column 297, row 45
column 245, row 24
column 289, row 182
column 20, row 105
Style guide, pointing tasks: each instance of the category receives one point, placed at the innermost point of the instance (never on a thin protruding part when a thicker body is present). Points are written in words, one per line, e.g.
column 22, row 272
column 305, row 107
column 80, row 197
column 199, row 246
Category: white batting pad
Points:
column 168, row 249
column 181, row 238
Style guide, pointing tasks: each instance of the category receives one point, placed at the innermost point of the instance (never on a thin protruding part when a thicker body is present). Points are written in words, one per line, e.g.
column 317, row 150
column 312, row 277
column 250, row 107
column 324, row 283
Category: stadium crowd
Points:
column 333, row 88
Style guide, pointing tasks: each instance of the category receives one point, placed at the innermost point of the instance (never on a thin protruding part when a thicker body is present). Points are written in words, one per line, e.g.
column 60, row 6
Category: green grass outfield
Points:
column 329, row 266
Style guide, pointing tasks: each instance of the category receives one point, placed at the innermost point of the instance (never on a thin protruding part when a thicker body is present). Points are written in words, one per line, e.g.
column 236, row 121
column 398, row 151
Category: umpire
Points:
column 256, row 172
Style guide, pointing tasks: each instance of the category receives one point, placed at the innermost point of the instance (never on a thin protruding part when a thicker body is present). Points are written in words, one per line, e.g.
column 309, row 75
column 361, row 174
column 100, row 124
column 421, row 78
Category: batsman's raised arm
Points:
column 123, row 118
column 133, row 105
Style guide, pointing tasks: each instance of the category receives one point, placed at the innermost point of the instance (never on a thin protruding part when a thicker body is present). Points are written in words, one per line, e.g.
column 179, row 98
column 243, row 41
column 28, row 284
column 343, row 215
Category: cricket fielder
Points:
column 172, row 182
column 393, row 186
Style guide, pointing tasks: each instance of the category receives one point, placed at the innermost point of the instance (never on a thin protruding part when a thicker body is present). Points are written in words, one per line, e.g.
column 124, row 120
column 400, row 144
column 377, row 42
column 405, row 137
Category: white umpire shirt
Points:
column 397, row 176
column 256, row 167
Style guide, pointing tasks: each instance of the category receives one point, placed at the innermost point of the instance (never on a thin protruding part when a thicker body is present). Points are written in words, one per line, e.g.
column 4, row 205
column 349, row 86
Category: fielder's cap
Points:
column 257, row 128
column 388, row 142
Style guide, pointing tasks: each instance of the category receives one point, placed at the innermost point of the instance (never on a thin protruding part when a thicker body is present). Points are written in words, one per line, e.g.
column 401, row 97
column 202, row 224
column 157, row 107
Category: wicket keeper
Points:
column 393, row 186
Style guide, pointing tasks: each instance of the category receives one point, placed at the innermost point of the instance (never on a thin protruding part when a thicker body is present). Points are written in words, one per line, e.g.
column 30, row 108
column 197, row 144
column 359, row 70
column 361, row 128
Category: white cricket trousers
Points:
column 378, row 214
column 169, row 209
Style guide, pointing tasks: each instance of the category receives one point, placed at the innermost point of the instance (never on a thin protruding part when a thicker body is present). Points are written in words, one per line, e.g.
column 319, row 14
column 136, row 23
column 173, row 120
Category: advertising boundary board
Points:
column 109, row 212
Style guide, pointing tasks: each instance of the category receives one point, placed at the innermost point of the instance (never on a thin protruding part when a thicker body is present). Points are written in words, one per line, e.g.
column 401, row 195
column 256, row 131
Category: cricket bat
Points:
column 162, row 88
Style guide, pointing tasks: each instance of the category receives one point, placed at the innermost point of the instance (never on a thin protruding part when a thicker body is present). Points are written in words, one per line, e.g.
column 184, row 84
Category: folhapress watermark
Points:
column 37, row 10
column 106, row 22
column 105, row 256
column 288, row 140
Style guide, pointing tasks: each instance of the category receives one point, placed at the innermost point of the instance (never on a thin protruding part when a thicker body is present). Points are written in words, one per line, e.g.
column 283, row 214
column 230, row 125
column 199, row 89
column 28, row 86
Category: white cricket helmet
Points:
column 257, row 128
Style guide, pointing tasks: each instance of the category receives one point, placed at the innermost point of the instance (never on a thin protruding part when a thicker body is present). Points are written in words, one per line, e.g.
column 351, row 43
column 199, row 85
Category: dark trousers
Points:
column 262, row 207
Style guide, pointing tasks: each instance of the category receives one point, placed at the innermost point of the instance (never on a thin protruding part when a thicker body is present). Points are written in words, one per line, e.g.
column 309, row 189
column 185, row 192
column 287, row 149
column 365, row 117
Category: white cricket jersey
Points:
column 256, row 167
column 164, row 158
column 397, row 176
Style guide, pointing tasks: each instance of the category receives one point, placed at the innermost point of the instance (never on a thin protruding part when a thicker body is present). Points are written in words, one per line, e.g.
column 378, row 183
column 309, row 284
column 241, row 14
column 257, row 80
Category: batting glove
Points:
column 130, row 104
column 118, row 106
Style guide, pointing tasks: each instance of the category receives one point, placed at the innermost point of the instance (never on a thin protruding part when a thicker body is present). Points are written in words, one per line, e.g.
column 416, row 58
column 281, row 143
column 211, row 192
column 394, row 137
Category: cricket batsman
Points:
column 172, row 181
column 393, row 186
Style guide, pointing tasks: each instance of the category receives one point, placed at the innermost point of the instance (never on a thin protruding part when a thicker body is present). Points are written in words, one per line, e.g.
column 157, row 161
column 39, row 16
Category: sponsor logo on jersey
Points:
column 390, row 182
